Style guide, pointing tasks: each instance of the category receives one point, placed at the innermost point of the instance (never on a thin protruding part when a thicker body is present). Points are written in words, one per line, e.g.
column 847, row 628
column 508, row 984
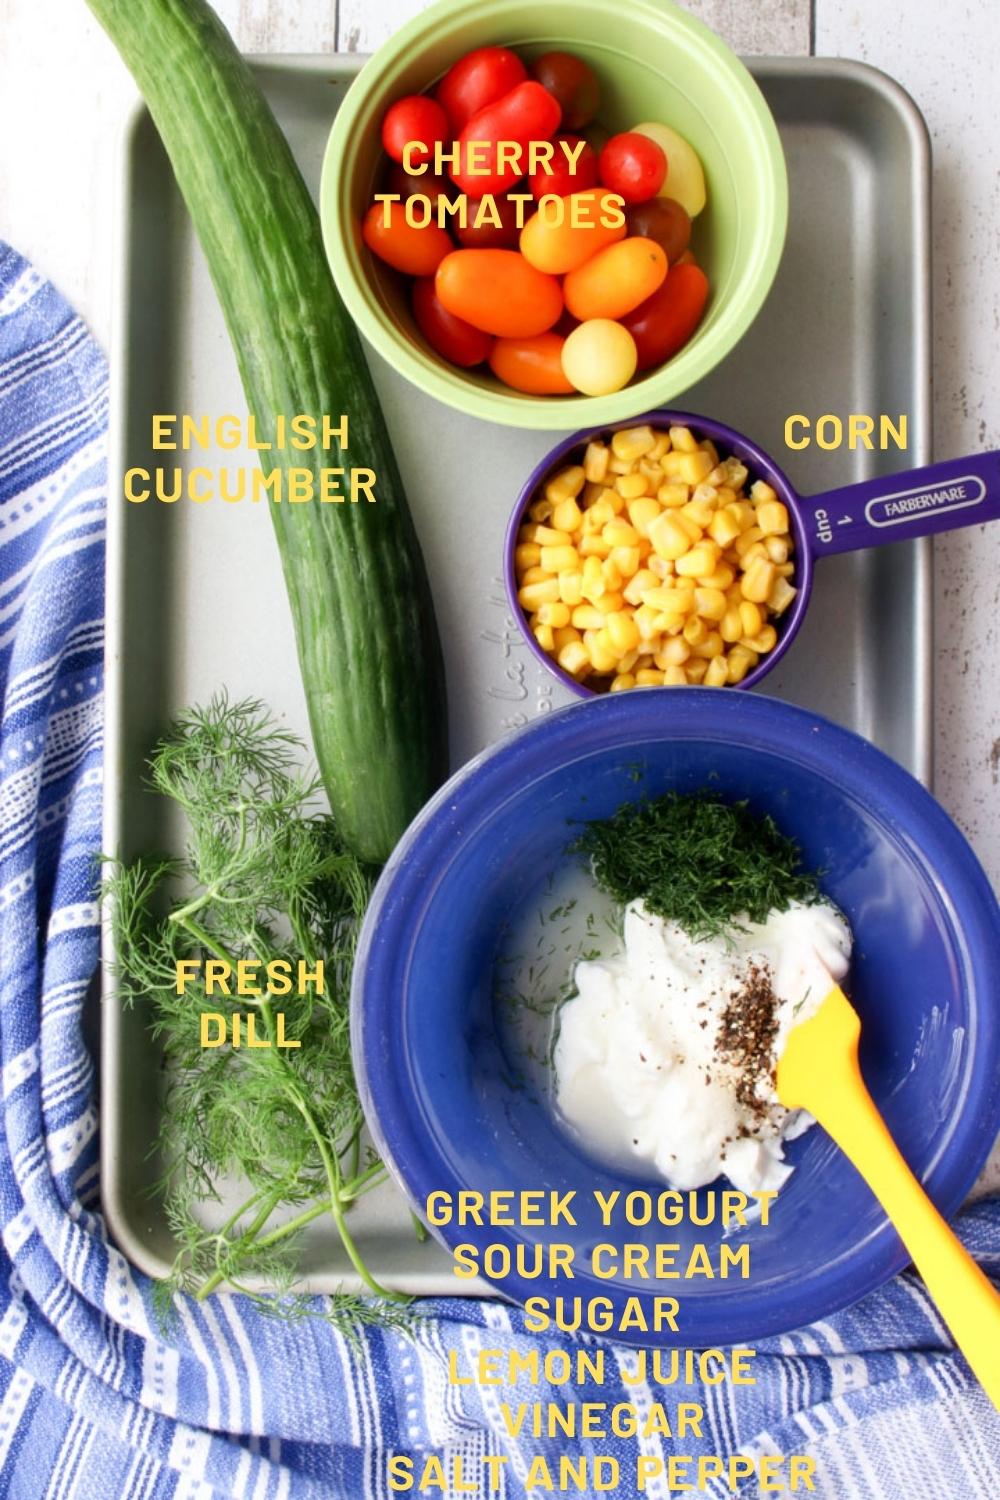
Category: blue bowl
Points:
column 439, row 1094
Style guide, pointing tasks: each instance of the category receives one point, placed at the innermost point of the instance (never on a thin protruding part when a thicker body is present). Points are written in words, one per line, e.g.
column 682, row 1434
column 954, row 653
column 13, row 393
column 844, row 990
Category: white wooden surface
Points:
column 63, row 92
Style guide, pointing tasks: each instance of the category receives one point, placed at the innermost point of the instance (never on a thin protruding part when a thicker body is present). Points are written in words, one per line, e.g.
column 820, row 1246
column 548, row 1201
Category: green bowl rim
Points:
column 543, row 413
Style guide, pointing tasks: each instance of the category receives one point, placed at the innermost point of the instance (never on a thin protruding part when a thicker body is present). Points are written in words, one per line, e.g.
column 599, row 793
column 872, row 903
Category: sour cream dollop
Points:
column 640, row 1072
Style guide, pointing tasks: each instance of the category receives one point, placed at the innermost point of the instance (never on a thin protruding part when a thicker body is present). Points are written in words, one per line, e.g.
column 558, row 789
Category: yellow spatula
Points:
column 819, row 1071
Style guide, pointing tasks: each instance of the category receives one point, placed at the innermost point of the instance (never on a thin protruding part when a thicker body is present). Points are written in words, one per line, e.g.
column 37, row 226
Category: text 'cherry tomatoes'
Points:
column 490, row 223
column 561, row 236
column 478, row 79
column 562, row 178
column 406, row 247
column 505, row 129
column 415, row 122
column 497, row 291
column 573, row 82
column 531, row 365
column 633, row 166
column 453, row 338
column 665, row 321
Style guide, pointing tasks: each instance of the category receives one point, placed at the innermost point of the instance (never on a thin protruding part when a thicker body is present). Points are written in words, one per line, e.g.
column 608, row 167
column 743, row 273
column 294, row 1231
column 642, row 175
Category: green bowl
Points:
column 654, row 62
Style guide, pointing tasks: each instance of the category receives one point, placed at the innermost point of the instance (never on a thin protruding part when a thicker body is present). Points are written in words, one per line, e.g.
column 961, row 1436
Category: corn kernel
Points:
column 592, row 492
column 609, row 602
column 739, row 662
column 721, row 576
column 548, row 536
column 692, row 468
column 674, row 676
column 564, row 636
column 540, row 510
column 595, row 462
column 756, row 550
column 731, row 625
column 617, row 466
column 669, row 601
column 534, row 575
column 567, row 483
column 683, row 440
column 781, row 596
column 628, row 661
column 669, row 538
column 647, row 677
column 601, row 659
column 777, row 548
column 711, row 646
column 637, row 584
column 695, row 669
column 600, row 513
column 723, row 527
column 556, row 559
column 785, row 570
column 700, row 512
column 746, row 540
column 567, row 515
column 622, row 682
column 571, row 587
column 545, row 636
column 533, row 595
column 696, row 631
column 594, row 546
column 587, row 617
column 626, row 560
column 764, row 641
column 555, row 614
column 675, row 653
column 751, row 618
column 673, row 496
column 631, row 486
column 623, row 632
column 717, row 674
column 645, row 619
column 660, row 446
column 761, row 493
column 710, row 603
column 758, row 580
column 742, row 513
column 610, row 574
column 574, row 658
column 620, row 534
column 632, row 443
column 641, row 512
column 699, row 561
column 527, row 555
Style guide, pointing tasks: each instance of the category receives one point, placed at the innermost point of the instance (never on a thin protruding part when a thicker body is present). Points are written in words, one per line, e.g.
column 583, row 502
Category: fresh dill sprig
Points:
column 263, row 877
column 697, row 860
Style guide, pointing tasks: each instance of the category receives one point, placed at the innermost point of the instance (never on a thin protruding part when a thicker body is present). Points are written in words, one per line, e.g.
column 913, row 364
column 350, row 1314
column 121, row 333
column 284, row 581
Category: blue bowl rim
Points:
column 905, row 809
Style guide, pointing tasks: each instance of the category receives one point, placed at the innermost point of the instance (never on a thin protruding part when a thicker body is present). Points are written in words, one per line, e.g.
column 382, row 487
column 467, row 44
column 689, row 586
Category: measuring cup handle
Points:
column 920, row 502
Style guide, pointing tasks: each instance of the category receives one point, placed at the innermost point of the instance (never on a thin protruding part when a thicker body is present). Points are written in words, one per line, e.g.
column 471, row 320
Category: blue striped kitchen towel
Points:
column 95, row 1401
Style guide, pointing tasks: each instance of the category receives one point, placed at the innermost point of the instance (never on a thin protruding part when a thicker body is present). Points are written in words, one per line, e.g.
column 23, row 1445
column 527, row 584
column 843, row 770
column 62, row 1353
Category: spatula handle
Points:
column 964, row 1295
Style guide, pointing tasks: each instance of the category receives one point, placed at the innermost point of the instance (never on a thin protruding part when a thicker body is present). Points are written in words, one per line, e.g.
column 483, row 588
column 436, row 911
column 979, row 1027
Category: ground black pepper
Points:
column 746, row 1036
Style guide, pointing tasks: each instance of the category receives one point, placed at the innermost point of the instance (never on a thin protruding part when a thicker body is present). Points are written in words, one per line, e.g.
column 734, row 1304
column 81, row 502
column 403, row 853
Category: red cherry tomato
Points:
column 531, row 365
column 405, row 247
column 526, row 114
column 662, row 220
column 453, row 338
column 414, row 119
column 665, row 321
column 477, row 80
column 564, row 179
column 573, row 82
column 490, row 235
column 633, row 166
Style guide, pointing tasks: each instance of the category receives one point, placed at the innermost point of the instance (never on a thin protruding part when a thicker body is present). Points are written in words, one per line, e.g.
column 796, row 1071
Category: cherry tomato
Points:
column 489, row 234
column 499, row 292
column 531, row 365
column 477, row 80
column 573, row 82
column 453, row 338
column 526, row 114
column 665, row 321
column 686, row 178
column 418, row 252
column 414, row 119
column 562, row 179
column 588, row 222
column 599, row 357
column 615, row 280
column 633, row 166
column 662, row 220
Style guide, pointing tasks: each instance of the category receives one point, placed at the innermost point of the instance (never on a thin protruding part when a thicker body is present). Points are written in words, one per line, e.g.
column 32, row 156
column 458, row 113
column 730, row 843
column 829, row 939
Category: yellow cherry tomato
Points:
column 567, row 231
column 685, row 179
column 599, row 357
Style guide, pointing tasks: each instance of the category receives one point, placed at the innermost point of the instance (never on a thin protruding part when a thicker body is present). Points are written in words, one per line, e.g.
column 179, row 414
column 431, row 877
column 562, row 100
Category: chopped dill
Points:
column 698, row 860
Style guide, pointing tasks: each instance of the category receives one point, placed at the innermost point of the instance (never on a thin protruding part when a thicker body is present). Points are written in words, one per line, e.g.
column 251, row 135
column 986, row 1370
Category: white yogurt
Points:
column 638, row 1073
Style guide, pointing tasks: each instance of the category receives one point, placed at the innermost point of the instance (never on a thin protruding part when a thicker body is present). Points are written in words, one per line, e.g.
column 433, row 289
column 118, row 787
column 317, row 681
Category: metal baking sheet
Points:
column 195, row 597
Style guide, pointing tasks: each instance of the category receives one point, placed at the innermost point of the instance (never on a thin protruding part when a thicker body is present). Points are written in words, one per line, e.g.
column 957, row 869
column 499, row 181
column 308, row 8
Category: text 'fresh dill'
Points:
column 697, row 860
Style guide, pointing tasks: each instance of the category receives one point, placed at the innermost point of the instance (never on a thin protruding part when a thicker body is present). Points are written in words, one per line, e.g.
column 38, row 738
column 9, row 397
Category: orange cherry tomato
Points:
column 665, row 321
column 403, row 246
column 499, row 292
column 560, row 237
column 531, row 365
column 616, row 280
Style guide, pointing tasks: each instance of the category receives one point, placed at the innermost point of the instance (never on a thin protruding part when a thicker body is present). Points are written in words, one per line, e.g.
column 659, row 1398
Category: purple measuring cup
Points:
column 918, row 502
